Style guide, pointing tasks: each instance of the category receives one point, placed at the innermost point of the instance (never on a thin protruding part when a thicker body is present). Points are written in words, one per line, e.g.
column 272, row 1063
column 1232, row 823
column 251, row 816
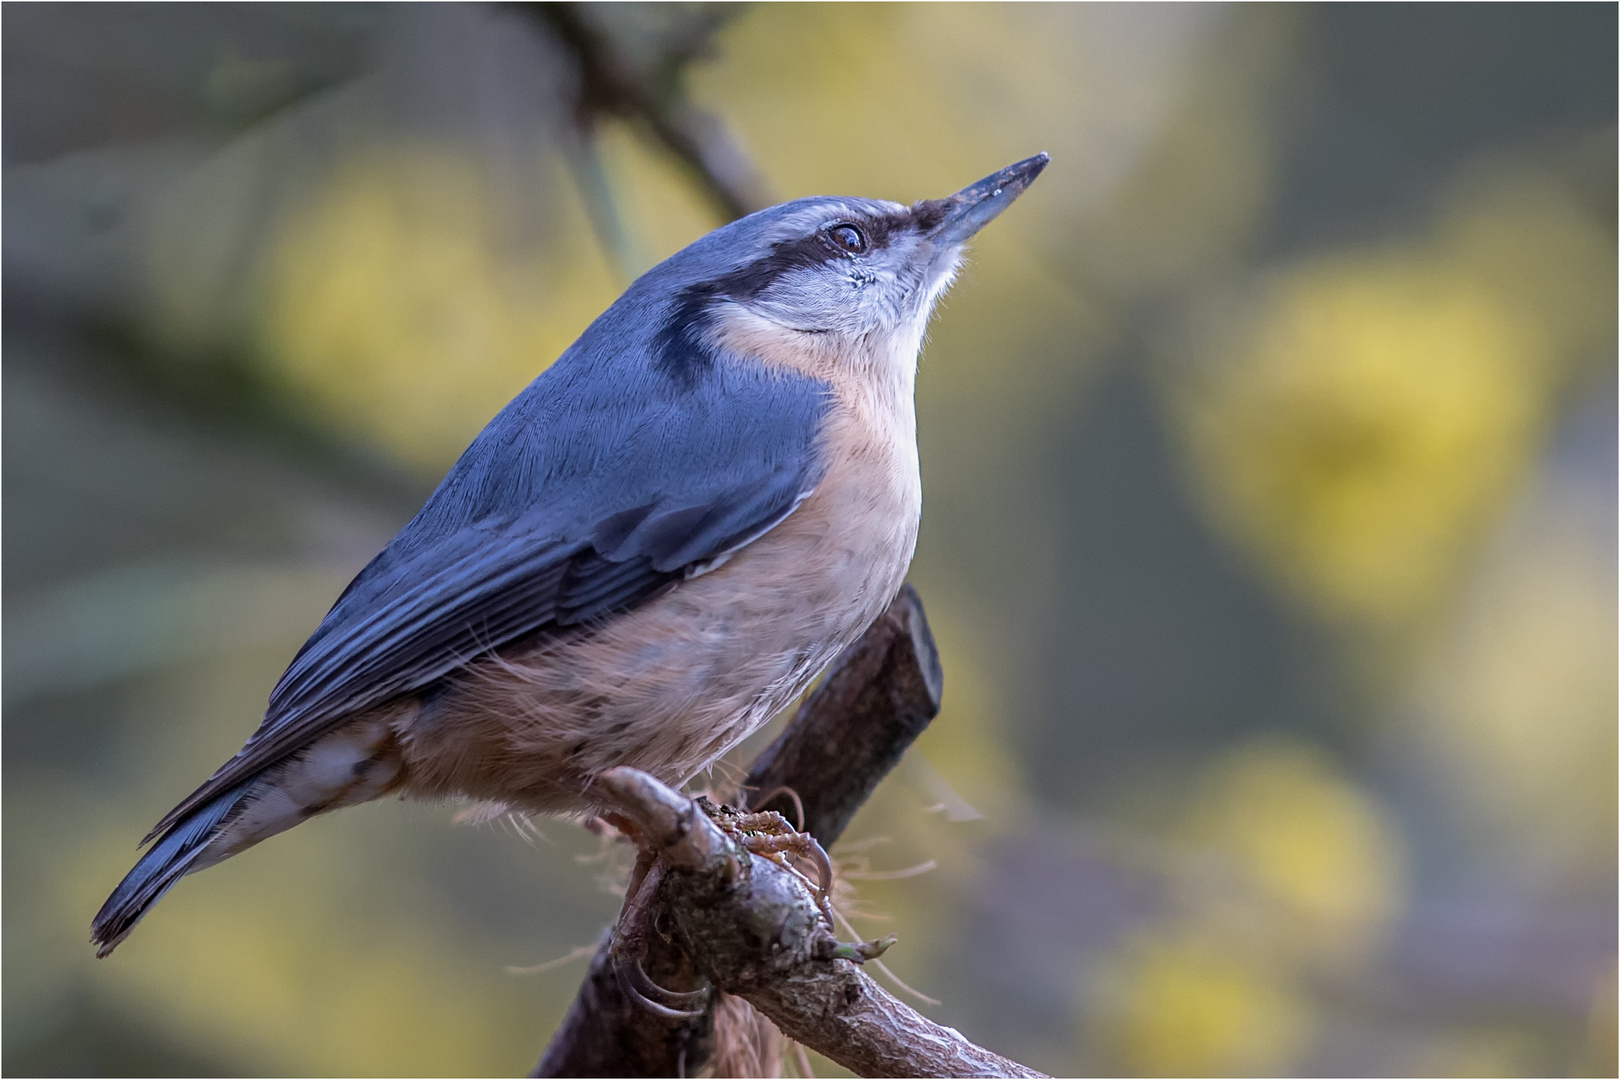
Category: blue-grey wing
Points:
column 584, row 497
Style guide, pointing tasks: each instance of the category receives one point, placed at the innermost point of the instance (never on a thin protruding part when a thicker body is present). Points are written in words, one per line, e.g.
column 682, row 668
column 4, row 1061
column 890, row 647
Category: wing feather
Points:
column 562, row 512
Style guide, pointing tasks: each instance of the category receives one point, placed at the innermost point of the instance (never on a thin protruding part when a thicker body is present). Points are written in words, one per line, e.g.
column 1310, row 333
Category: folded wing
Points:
column 584, row 497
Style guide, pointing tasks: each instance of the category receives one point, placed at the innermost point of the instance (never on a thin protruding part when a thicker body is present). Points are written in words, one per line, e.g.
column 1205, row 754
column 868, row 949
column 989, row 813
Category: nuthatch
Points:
column 649, row 552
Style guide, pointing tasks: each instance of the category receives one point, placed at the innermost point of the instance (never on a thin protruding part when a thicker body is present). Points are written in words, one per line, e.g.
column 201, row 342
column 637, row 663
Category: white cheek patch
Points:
column 843, row 315
column 944, row 278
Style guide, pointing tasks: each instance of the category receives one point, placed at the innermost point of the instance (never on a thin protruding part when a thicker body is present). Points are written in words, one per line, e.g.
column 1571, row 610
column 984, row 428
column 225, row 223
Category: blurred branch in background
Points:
column 647, row 85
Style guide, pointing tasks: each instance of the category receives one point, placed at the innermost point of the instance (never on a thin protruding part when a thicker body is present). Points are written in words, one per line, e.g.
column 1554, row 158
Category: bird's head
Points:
column 829, row 282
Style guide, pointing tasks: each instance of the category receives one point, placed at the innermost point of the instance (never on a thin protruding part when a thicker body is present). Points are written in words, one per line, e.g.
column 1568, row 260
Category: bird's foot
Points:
column 630, row 945
column 766, row 834
column 769, row 835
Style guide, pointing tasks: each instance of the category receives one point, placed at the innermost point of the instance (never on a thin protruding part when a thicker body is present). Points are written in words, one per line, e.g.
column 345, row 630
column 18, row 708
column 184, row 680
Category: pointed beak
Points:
column 972, row 208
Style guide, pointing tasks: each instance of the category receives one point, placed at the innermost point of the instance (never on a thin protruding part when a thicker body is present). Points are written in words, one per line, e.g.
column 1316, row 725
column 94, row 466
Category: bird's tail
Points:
column 168, row 860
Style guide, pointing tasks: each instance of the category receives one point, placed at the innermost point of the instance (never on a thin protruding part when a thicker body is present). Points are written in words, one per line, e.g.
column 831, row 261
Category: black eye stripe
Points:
column 804, row 251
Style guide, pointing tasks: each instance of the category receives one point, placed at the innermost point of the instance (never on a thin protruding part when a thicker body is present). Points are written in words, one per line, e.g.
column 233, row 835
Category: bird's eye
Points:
column 849, row 238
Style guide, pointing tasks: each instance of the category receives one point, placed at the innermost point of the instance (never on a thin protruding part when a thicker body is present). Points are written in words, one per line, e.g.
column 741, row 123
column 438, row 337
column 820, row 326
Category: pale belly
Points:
column 667, row 688
column 670, row 687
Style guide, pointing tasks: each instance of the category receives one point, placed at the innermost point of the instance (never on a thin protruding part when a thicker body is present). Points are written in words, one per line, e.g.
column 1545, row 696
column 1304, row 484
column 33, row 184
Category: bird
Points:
column 650, row 551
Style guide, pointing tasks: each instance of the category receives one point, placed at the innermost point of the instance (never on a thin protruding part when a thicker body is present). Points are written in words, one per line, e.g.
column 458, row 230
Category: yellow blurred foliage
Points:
column 1191, row 1003
column 1287, row 872
column 392, row 302
column 1313, row 849
column 248, row 963
column 1519, row 701
column 1360, row 434
column 1384, row 409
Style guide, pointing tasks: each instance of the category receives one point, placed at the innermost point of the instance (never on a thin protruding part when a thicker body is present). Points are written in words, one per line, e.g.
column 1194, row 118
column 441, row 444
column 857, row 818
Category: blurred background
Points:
column 1269, row 449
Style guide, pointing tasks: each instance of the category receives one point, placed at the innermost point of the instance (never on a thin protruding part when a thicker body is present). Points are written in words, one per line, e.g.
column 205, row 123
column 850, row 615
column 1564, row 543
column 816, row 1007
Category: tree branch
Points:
column 605, row 1034
column 853, row 729
column 880, row 694
column 757, row 931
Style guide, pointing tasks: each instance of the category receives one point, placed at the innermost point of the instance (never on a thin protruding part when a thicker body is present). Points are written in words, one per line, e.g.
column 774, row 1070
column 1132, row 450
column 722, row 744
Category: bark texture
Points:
column 756, row 930
column 750, row 925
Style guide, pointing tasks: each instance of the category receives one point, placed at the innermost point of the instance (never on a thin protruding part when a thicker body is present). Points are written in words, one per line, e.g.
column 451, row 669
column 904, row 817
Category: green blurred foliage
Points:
column 1269, row 539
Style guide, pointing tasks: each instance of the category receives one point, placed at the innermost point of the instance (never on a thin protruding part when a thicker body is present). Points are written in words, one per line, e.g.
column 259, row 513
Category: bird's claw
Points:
column 637, row 985
column 629, row 943
column 824, row 870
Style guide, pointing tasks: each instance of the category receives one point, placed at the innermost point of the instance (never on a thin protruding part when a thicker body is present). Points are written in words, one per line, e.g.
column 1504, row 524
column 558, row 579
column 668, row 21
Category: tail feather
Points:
column 159, row 869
